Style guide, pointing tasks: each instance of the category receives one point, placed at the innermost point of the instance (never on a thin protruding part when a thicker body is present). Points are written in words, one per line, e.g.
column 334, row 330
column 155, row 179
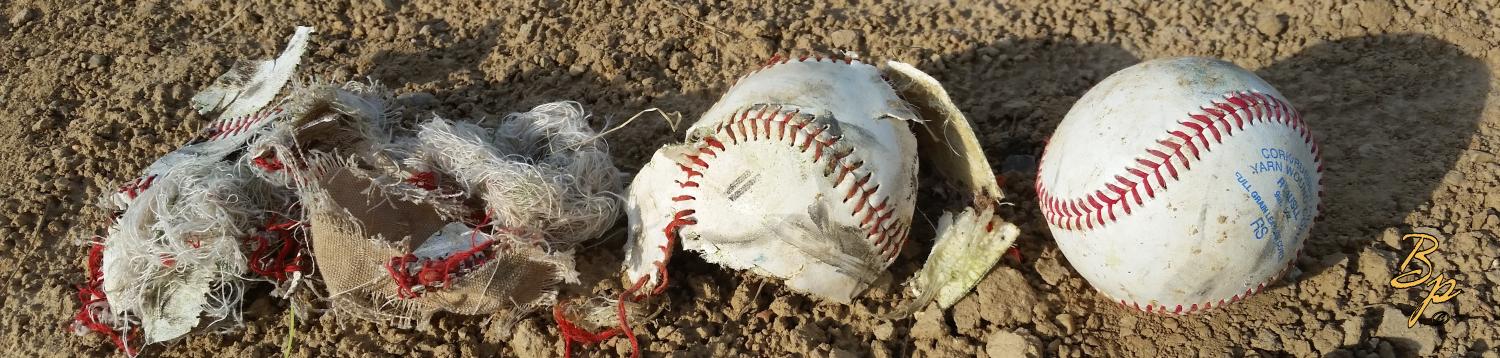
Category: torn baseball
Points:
column 806, row 171
column 1180, row 185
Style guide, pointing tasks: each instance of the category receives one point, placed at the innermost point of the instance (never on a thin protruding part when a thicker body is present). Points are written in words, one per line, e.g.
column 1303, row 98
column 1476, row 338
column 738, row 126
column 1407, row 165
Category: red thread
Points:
column 635, row 346
column 136, row 187
column 268, row 161
column 689, row 171
column 572, row 333
column 714, row 143
column 424, row 180
column 278, row 258
column 92, row 303
column 774, row 58
column 433, row 274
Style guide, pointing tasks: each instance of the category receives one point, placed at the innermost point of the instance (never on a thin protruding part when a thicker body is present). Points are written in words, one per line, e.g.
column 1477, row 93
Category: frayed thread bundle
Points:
column 403, row 221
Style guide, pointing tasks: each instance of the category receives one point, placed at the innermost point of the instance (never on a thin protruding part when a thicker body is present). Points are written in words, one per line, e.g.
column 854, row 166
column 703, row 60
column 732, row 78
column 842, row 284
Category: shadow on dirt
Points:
column 1391, row 114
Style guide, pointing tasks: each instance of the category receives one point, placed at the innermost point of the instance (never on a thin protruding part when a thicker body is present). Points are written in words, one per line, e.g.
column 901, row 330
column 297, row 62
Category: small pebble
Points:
column 417, row 99
column 98, row 61
column 1066, row 321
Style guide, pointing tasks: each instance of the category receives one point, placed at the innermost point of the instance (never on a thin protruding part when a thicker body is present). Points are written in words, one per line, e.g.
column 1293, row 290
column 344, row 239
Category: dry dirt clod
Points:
column 1066, row 321
column 929, row 324
column 1050, row 269
column 1003, row 297
column 1012, row 344
column 845, row 39
column 884, row 331
column 22, row 16
column 1270, row 24
column 1385, row 350
column 1391, row 237
column 1376, row 266
column 840, row 353
column 1419, row 339
column 98, row 61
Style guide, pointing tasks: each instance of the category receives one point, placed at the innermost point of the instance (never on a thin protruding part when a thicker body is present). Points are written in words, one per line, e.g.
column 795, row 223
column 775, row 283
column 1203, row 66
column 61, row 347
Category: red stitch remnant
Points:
column 424, row 180
column 269, row 162
column 278, row 258
column 226, row 127
column 93, row 304
column 1099, row 208
column 135, row 187
column 572, row 333
column 433, row 274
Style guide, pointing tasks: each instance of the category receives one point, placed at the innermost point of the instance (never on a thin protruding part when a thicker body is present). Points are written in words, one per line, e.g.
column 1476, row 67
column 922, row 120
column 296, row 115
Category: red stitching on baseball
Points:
column 226, row 127
column 1074, row 214
column 714, row 143
column 877, row 216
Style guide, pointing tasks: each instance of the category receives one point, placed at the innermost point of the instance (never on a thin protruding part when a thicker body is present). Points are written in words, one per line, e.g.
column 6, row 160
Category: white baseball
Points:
column 804, row 170
column 1180, row 185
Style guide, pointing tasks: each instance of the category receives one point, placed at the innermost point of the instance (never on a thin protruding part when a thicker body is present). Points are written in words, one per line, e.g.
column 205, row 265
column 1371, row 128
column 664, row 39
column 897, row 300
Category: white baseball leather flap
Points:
column 971, row 241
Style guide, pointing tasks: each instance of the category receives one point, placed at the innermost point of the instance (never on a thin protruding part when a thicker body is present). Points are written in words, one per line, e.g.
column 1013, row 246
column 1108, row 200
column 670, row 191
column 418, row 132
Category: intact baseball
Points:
column 1180, row 185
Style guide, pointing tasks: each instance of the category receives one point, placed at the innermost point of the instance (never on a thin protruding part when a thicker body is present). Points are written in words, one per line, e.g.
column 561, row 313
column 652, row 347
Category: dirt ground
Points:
column 1402, row 97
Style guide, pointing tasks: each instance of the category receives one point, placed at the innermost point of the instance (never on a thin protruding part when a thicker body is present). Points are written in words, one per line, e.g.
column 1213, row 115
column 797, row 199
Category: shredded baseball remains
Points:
column 328, row 195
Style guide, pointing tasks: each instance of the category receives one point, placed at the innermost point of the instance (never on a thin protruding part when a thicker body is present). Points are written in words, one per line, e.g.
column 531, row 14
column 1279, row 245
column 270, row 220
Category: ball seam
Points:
column 1099, row 208
column 890, row 238
column 792, row 127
